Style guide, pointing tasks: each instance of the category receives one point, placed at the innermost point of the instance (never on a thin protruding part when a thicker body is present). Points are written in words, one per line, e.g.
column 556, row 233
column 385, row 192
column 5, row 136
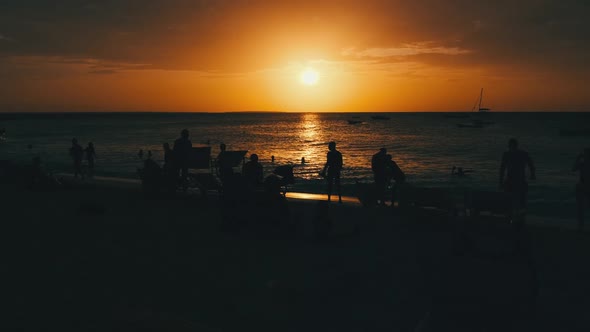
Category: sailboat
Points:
column 478, row 103
column 477, row 123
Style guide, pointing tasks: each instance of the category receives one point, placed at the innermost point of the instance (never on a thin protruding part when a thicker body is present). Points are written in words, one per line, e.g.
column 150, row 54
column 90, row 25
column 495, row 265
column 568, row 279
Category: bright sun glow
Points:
column 310, row 77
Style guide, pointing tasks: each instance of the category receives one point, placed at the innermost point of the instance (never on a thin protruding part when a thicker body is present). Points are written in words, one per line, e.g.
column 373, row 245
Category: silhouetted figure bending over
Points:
column 90, row 157
column 77, row 154
column 393, row 173
column 582, row 164
column 514, row 163
column 252, row 171
column 332, row 170
column 379, row 167
column 181, row 151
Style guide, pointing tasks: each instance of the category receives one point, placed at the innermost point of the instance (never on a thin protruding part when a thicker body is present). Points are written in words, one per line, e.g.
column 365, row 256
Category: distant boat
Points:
column 354, row 122
column 380, row 117
column 478, row 104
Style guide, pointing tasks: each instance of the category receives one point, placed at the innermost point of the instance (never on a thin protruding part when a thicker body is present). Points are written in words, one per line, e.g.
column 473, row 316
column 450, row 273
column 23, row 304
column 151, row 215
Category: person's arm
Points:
column 531, row 167
column 502, row 169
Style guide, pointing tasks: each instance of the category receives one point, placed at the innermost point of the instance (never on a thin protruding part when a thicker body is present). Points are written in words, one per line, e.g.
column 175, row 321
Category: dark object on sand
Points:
column 380, row 117
column 286, row 176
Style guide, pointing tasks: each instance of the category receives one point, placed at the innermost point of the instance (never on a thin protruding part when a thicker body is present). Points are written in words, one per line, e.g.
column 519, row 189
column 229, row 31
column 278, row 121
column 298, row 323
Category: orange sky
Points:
column 214, row 56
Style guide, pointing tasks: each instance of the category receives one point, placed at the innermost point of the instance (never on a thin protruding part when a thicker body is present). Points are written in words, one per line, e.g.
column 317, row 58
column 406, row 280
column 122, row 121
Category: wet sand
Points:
column 100, row 257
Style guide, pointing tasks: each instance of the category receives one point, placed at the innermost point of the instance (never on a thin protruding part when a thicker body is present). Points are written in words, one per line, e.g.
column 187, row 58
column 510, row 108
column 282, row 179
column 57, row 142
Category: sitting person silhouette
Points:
column 253, row 171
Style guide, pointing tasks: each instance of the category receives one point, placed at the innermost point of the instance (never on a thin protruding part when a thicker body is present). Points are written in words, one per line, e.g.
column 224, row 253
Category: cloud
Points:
column 404, row 51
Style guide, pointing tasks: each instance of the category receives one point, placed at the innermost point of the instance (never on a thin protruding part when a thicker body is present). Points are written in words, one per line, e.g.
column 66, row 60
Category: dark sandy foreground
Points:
column 96, row 258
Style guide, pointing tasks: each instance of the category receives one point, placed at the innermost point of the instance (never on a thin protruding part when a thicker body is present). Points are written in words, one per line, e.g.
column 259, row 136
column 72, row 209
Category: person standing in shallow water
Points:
column 90, row 157
column 512, row 173
column 332, row 170
column 77, row 154
column 181, row 150
column 582, row 165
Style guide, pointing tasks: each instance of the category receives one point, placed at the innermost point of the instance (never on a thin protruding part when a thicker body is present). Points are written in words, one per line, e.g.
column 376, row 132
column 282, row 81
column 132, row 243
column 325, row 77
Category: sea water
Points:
column 425, row 145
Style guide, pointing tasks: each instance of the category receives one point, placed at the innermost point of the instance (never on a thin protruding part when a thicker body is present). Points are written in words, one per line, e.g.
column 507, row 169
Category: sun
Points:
column 310, row 77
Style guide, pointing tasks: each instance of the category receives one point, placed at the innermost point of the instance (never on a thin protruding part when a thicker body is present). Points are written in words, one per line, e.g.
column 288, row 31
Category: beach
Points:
column 93, row 256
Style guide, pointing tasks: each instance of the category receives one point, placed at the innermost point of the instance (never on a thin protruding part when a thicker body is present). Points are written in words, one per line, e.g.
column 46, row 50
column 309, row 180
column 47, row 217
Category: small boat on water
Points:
column 477, row 123
column 380, row 117
column 354, row 122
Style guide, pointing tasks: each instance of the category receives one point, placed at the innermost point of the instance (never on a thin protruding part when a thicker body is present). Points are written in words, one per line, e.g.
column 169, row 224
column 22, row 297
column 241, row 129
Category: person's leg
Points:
column 330, row 179
column 337, row 179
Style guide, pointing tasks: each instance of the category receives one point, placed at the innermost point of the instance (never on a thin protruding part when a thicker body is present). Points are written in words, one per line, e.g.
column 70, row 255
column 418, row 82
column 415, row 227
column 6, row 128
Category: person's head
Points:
column 512, row 144
column 74, row 140
column 332, row 146
column 184, row 133
column 254, row 157
column 222, row 147
column 383, row 151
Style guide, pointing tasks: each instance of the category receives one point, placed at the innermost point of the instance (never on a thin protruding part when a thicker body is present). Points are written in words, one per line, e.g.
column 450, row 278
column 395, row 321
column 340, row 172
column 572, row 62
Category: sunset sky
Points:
column 210, row 56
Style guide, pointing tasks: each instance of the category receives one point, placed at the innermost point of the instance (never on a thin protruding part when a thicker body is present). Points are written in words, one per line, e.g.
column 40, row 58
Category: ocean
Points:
column 425, row 145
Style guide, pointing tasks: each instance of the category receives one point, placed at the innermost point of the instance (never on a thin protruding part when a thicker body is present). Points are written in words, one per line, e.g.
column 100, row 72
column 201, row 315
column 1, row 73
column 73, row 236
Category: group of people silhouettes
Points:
column 512, row 171
column 78, row 154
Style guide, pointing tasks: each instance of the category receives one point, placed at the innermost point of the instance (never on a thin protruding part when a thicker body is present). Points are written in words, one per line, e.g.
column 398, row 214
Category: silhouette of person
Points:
column 393, row 173
column 272, row 159
column 302, row 160
column 140, row 154
column 253, row 172
column 582, row 164
column 149, row 154
column 512, row 173
column 459, row 171
column 225, row 169
column 379, row 168
column 77, row 154
column 181, row 150
column 168, row 155
column 332, row 170
column 90, row 157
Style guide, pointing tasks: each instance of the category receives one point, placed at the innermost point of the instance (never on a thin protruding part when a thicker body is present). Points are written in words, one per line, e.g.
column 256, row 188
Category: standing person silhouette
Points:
column 77, row 154
column 90, row 157
column 181, row 151
column 333, row 167
column 582, row 165
column 379, row 168
column 514, row 163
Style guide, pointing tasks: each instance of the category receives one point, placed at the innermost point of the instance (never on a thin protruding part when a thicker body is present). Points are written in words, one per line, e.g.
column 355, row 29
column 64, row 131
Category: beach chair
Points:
column 201, row 170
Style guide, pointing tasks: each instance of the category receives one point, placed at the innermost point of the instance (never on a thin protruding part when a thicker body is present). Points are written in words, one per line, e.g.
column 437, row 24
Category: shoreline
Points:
column 121, row 182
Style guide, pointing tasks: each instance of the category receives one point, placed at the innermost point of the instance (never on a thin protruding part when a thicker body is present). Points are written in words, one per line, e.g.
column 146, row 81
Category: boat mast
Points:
column 480, row 98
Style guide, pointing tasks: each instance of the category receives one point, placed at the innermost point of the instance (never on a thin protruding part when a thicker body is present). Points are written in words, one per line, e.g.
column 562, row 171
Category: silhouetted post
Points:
column 332, row 170
column 582, row 164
